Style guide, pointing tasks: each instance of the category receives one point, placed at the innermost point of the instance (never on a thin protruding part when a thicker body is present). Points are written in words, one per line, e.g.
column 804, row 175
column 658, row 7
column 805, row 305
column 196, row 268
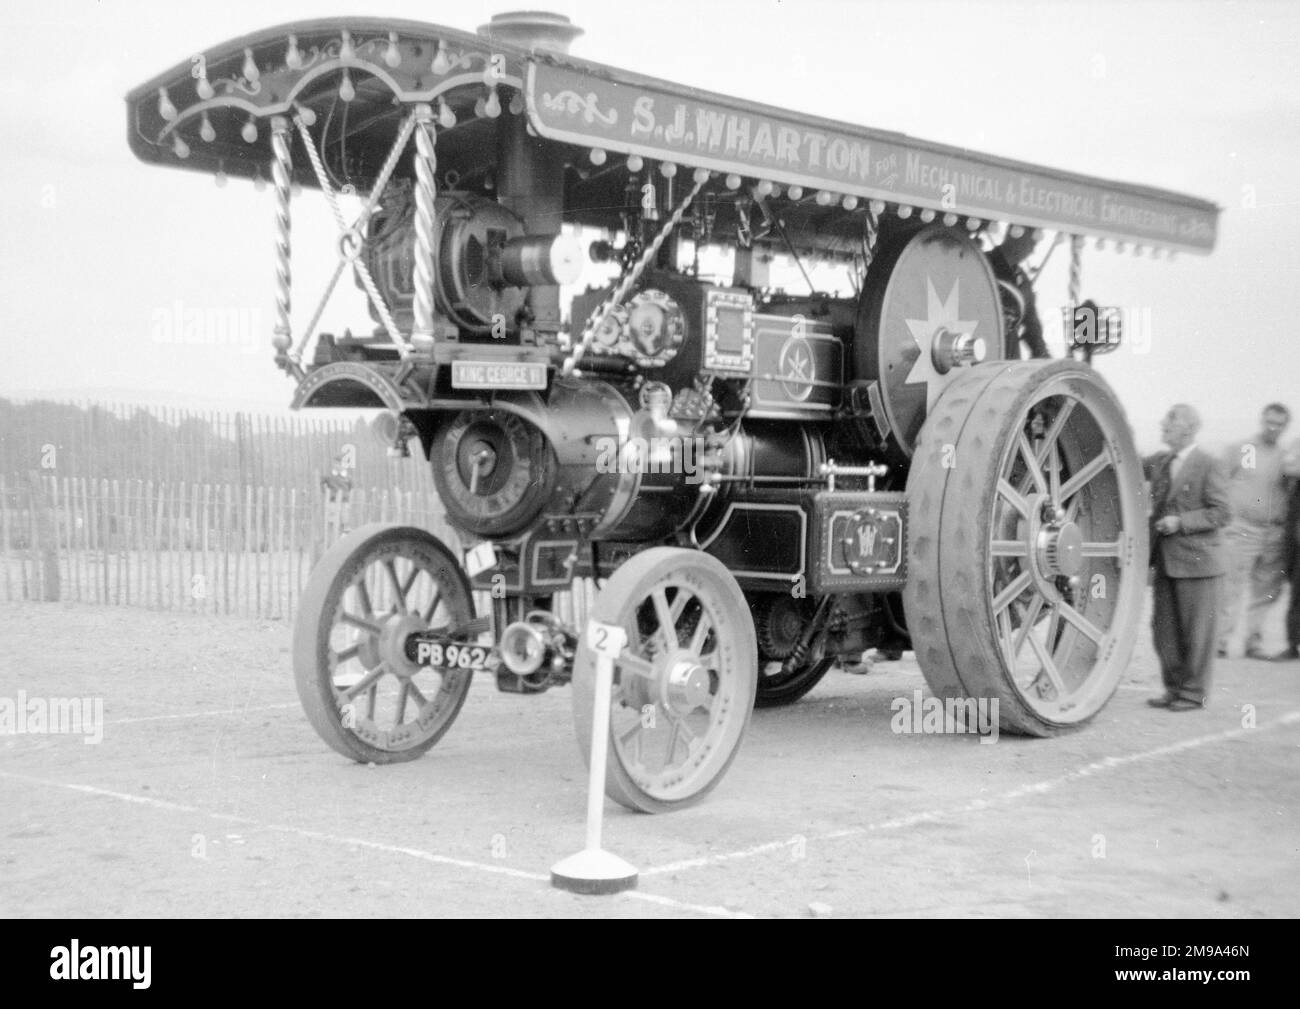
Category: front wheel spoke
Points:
column 664, row 614
column 1110, row 549
column 400, row 602
column 417, row 694
column 636, row 665
column 369, row 626
column 701, row 633
column 1009, row 548
column 372, row 698
column 366, row 682
column 1080, row 479
column 427, row 615
column 410, row 581
column 1004, row 598
column 364, row 595
column 630, row 719
column 1085, row 626
column 401, row 703
column 671, row 746
column 348, row 653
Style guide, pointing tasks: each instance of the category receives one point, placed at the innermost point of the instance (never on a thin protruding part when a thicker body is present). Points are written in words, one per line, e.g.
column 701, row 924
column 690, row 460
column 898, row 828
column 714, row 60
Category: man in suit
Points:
column 1189, row 505
column 1291, row 467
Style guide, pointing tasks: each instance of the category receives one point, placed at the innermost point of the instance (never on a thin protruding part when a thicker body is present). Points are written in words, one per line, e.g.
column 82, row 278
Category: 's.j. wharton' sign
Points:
column 754, row 141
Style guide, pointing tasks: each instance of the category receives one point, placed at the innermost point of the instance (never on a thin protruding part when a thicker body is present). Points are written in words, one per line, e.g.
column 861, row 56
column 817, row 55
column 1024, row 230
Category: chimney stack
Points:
column 532, row 30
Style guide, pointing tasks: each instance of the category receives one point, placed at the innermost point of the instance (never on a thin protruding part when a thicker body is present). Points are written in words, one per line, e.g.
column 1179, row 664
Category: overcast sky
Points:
column 98, row 251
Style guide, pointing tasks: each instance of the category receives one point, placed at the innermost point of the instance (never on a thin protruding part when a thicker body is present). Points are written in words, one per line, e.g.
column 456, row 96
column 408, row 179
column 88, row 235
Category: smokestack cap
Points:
column 532, row 30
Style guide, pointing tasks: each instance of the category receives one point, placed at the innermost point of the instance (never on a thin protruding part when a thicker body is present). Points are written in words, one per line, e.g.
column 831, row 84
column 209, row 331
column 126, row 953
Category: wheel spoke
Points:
column 631, row 722
column 401, row 703
column 1049, row 665
column 427, row 615
column 391, row 567
column 417, row 693
column 348, row 653
column 363, row 593
column 372, row 699
column 369, row 626
column 1111, row 549
column 1004, row 628
column 1013, row 497
column 1027, row 624
column 366, row 682
column 1033, row 471
column 1054, row 474
column 667, row 622
column 1009, row 548
column 701, row 633
column 636, row 665
column 1086, row 473
column 1086, row 626
column 410, row 581
column 1058, row 425
column 1005, row 597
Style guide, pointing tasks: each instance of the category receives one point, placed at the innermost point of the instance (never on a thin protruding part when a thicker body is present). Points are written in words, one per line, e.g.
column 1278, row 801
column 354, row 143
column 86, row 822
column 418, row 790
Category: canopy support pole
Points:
column 422, row 337
column 1076, row 268
column 282, row 177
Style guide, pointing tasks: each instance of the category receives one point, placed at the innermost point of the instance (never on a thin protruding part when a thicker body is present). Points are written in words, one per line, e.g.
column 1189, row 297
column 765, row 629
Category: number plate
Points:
column 451, row 656
column 497, row 375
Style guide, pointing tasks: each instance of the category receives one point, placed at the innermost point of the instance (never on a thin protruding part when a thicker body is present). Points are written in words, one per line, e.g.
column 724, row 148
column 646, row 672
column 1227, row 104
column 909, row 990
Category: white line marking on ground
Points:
column 977, row 805
column 359, row 842
column 197, row 714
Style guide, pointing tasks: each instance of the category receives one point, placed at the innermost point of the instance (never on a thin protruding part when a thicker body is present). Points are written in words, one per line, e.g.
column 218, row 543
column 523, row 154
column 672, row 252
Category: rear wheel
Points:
column 780, row 621
column 1027, row 550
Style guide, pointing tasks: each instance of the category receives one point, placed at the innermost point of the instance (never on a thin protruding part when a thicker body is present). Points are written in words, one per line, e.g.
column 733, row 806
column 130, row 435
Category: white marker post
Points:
column 594, row 870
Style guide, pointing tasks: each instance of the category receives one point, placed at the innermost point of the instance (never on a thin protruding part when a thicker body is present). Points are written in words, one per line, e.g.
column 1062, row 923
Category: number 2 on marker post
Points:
column 606, row 640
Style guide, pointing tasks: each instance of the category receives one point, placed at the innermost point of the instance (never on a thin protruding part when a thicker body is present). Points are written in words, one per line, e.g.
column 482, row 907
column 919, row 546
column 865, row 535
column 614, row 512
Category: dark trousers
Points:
column 1184, row 625
column 1293, row 611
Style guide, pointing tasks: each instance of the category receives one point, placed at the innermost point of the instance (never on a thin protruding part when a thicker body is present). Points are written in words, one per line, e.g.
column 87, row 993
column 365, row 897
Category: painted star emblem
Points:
column 939, row 315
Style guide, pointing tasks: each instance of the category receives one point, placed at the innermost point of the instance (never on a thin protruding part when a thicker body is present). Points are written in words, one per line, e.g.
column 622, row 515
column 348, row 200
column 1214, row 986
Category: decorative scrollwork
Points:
column 571, row 103
column 229, row 85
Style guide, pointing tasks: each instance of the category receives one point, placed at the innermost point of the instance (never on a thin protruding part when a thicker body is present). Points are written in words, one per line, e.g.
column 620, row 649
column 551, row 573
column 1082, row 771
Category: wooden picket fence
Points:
column 129, row 442
column 202, row 548
column 199, row 548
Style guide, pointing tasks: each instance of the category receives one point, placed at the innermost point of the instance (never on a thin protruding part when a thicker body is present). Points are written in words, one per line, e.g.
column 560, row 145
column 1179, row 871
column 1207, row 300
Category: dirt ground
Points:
column 209, row 795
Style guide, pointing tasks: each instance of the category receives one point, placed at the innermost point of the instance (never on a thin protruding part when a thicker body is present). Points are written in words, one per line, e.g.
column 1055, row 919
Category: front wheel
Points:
column 353, row 656
column 684, row 686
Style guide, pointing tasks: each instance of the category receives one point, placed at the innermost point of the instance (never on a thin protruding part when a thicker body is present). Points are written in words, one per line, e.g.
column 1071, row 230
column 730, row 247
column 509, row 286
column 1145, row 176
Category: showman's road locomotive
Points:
column 763, row 482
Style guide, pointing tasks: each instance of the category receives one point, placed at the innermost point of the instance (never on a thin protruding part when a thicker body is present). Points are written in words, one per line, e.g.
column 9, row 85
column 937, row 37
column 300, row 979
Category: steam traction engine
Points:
column 761, row 481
